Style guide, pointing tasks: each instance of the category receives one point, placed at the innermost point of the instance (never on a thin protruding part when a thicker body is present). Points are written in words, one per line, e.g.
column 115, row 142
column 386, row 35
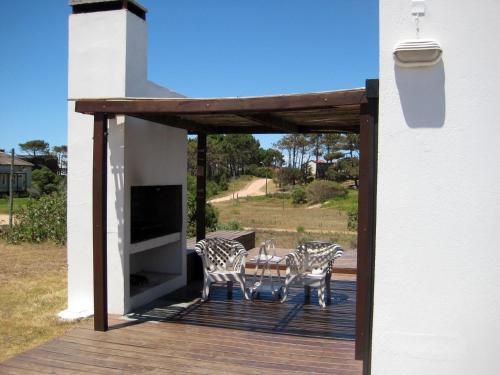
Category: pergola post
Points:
column 366, row 223
column 99, row 223
column 201, row 186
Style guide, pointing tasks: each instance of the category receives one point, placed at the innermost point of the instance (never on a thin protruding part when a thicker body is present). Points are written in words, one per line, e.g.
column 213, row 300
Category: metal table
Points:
column 263, row 279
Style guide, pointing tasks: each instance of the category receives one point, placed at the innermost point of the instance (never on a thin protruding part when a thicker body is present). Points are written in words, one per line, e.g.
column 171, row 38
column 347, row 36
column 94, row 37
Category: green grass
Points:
column 18, row 202
column 346, row 203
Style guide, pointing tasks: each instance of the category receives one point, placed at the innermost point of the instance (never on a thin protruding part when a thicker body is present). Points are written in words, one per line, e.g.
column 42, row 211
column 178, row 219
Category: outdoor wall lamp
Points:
column 417, row 52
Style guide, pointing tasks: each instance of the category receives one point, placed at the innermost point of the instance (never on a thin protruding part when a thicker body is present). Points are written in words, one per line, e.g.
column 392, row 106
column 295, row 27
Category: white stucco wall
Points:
column 437, row 276
column 108, row 58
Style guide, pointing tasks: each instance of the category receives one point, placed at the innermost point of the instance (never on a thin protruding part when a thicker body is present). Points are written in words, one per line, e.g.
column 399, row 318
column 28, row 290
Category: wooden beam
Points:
column 266, row 130
column 366, row 228
column 272, row 121
column 201, row 187
column 99, row 222
column 177, row 122
column 222, row 105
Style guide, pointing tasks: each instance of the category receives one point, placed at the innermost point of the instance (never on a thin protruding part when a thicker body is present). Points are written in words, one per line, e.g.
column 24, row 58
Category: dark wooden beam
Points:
column 223, row 105
column 272, row 121
column 266, row 130
column 99, row 222
column 366, row 226
column 177, row 122
column 201, row 187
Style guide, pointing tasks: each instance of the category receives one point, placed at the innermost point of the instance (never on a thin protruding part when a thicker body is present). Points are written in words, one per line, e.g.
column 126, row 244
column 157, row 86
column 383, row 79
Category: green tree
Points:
column 35, row 147
column 345, row 169
column 271, row 158
column 45, row 181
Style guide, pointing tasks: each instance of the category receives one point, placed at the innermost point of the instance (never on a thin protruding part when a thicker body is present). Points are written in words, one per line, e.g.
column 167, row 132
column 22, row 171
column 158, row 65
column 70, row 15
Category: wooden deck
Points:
column 180, row 335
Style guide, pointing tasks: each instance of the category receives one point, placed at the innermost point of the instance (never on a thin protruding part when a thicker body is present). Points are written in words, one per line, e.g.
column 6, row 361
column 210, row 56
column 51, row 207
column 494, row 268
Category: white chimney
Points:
column 108, row 58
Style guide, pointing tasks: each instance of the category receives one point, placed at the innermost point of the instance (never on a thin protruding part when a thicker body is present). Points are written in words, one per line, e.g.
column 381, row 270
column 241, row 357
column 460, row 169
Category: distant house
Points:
column 318, row 168
column 22, row 174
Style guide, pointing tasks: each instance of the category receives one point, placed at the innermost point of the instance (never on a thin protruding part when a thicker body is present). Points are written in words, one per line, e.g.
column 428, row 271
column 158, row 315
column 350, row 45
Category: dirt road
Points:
column 253, row 189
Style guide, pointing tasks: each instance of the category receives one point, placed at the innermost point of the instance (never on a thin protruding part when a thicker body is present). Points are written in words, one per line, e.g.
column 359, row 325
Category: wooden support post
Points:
column 11, row 187
column 366, row 224
column 201, row 187
column 99, row 200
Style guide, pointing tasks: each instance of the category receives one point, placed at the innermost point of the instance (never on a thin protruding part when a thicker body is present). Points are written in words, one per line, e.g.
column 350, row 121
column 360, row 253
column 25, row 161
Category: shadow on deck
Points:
column 265, row 314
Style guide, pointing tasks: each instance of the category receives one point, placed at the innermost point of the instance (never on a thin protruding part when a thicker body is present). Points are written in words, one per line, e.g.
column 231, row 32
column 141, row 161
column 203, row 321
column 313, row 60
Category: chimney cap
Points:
column 135, row 3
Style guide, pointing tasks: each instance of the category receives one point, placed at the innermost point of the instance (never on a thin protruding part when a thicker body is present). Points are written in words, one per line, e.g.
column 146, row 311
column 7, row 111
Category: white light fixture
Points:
column 417, row 52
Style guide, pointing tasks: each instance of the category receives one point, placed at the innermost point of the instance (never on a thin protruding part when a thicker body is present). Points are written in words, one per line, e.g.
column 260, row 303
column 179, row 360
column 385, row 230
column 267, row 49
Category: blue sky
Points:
column 199, row 48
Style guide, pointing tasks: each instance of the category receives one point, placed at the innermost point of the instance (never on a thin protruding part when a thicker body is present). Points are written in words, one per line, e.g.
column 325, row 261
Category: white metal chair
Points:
column 223, row 261
column 312, row 266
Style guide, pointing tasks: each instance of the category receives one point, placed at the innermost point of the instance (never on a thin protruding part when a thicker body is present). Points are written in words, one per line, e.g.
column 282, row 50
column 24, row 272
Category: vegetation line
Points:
column 290, row 230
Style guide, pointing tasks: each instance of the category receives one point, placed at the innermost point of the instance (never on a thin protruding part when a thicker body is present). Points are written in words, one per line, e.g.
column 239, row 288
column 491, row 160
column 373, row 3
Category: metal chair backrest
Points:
column 218, row 254
column 318, row 258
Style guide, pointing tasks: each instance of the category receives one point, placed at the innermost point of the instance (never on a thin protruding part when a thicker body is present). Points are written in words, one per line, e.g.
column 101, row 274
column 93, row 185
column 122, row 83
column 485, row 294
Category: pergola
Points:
column 354, row 111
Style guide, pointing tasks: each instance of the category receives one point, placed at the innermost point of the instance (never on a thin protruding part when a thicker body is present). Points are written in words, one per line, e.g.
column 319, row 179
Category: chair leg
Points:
column 244, row 291
column 329, row 290
column 230, row 290
column 206, row 289
column 307, row 293
column 285, row 291
column 321, row 295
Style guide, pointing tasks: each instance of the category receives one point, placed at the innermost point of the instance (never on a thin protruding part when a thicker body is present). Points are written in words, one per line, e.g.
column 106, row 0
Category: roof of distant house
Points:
column 320, row 162
column 5, row 160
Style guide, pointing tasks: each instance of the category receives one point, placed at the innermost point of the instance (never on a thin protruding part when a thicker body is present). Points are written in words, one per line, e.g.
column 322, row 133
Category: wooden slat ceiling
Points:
column 334, row 111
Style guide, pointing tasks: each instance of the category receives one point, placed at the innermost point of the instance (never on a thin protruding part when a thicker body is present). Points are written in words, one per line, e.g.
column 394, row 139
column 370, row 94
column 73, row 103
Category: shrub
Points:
column 231, row 225
column 45, row 180
column 40, row 220
column 288, row 176
column 212, row 188
column 305, row 237
column 352, row 219
column 211, row 216
column 299, row 195
column 319, row 191
column 223, row 183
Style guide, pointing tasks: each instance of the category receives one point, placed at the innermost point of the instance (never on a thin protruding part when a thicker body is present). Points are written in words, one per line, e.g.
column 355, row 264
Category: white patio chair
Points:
column 312, row 265
column 223, row 261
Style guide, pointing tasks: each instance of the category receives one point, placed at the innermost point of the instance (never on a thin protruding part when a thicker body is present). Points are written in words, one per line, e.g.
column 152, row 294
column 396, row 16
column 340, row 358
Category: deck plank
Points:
column 218, row 336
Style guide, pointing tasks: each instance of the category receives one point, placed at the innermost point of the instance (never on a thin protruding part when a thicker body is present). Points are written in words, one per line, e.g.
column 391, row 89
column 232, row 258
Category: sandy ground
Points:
column 255, row 188
column 317, row 205
column 4, row 219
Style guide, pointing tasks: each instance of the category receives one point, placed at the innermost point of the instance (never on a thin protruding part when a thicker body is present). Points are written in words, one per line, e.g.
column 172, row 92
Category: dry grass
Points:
column 276, row 213
column 271, row 187
column 33, row 289
column 288, row 224
column 290, row 240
